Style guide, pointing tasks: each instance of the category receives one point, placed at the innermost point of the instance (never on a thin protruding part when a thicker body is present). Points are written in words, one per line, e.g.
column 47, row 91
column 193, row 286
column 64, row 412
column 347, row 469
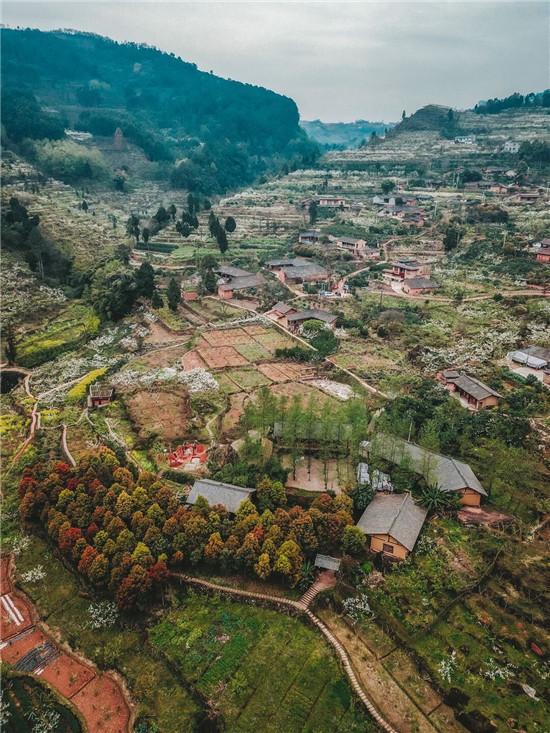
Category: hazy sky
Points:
column 338, row 60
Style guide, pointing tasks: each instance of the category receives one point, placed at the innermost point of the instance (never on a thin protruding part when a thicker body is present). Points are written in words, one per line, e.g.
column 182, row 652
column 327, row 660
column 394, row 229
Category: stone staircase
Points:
column 325, row 579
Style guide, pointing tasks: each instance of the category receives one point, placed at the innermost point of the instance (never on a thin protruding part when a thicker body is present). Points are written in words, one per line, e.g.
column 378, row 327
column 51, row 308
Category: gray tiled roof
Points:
column 244, row 282
column 538, row 351
column 349, row 240
column 448, row 473
column 282, row 307
column 101, row 391
column 310, row 270
column 216, row 492
column 396, row 515
column 327, row 562
column 474, row 387
column 231, row 271
column 314, row 313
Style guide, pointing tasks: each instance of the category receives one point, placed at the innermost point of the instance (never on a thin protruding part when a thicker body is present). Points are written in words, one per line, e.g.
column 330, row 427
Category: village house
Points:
column 475, row 394
column 394, row 201
column 465, row 140
column 448, row 474
column 218, row 493
column 279, row 311
column 541, row 250
column 293, row 321
column 418, row 285
column 332, row 202
column 356, row 247
column 393, row 523
column 511, row 147
column 499, row 188
column 313, row 236
column 99, row 394
column 235, row 279
column 528, row 197
column 297, row 270
column 404, row 269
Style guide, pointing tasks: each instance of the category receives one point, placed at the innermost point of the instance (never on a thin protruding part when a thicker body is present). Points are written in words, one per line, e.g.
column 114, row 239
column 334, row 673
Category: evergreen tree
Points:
column 173, row 294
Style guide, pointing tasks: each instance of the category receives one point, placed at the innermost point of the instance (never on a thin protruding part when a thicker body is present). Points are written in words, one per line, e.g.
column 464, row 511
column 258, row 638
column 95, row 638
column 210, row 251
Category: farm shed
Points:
column 419, row 285
column 216, row 492
column 326, row 562
column 536, row 357
column 99, row 394
column 393, row 523
column 294, row 320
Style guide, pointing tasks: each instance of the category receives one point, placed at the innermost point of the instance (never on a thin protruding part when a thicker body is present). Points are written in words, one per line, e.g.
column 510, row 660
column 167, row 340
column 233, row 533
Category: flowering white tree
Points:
column 358, row 608
column 103, row 615
column 447, row 667
column 34, row 574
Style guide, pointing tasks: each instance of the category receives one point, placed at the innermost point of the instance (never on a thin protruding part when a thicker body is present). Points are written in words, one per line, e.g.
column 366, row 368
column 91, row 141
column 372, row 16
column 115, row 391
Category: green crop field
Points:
column 263, row 671
column 66, row 331
column 247, row 378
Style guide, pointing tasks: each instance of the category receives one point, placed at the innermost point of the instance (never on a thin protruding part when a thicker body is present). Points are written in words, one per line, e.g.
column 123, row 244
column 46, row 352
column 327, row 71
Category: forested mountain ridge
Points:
column 191, row 121
column 343, row 134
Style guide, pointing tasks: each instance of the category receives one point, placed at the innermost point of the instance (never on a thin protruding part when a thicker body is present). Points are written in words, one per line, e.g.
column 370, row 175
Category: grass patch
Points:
column 72, row 327
column 248, row 379
column 264, row 670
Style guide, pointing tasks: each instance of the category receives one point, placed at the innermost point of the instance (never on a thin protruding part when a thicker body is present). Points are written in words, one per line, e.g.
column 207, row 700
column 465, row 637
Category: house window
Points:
column 387, row 549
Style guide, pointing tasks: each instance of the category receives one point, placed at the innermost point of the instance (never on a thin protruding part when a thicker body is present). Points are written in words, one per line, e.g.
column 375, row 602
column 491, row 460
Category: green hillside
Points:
column 206, row 133
column 343, row 134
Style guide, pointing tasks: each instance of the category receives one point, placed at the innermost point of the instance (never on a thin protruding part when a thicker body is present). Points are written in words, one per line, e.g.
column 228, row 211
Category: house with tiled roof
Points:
column 392, row 522
column 475, row 394
column 448, row 474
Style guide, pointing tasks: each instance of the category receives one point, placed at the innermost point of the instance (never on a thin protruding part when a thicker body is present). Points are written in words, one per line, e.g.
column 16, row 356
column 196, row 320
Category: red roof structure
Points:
column 194, row 454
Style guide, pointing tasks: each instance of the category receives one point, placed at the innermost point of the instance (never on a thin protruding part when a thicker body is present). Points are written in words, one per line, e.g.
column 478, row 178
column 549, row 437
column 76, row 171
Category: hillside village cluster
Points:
column 346, row 410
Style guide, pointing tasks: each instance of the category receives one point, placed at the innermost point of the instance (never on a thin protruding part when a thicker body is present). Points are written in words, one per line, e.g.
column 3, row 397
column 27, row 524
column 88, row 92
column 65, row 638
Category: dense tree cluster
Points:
column 125, row 533
column 115, row 287
column 514, row 101
column 222, row 132
column 21, row 233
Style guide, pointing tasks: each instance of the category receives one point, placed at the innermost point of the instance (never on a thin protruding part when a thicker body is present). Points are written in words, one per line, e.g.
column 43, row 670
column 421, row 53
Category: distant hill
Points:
column 343, row 134
column 224, row 132
column 430, row 117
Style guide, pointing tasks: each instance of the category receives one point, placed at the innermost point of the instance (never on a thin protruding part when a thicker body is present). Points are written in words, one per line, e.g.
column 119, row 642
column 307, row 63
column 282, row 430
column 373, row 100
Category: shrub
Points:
column 68, row 161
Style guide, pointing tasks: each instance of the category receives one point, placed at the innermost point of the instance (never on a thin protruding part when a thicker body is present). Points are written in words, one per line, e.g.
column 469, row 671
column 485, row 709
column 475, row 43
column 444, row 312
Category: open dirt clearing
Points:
column 218, row 357
column 165, row 413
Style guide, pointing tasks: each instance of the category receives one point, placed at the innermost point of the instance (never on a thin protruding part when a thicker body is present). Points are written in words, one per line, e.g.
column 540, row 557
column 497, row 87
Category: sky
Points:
column 340, row 61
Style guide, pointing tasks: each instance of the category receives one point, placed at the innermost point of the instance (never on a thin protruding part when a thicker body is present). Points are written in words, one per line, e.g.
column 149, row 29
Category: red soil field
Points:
column 15, row 615
column 17, row 648
column 255, row 329
column 5, row 580
column 99, row 698
column 222, row 356
column 273, row 372
column 103, row 706
column 227, row 337
column 192, row 360
column 67, row 675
